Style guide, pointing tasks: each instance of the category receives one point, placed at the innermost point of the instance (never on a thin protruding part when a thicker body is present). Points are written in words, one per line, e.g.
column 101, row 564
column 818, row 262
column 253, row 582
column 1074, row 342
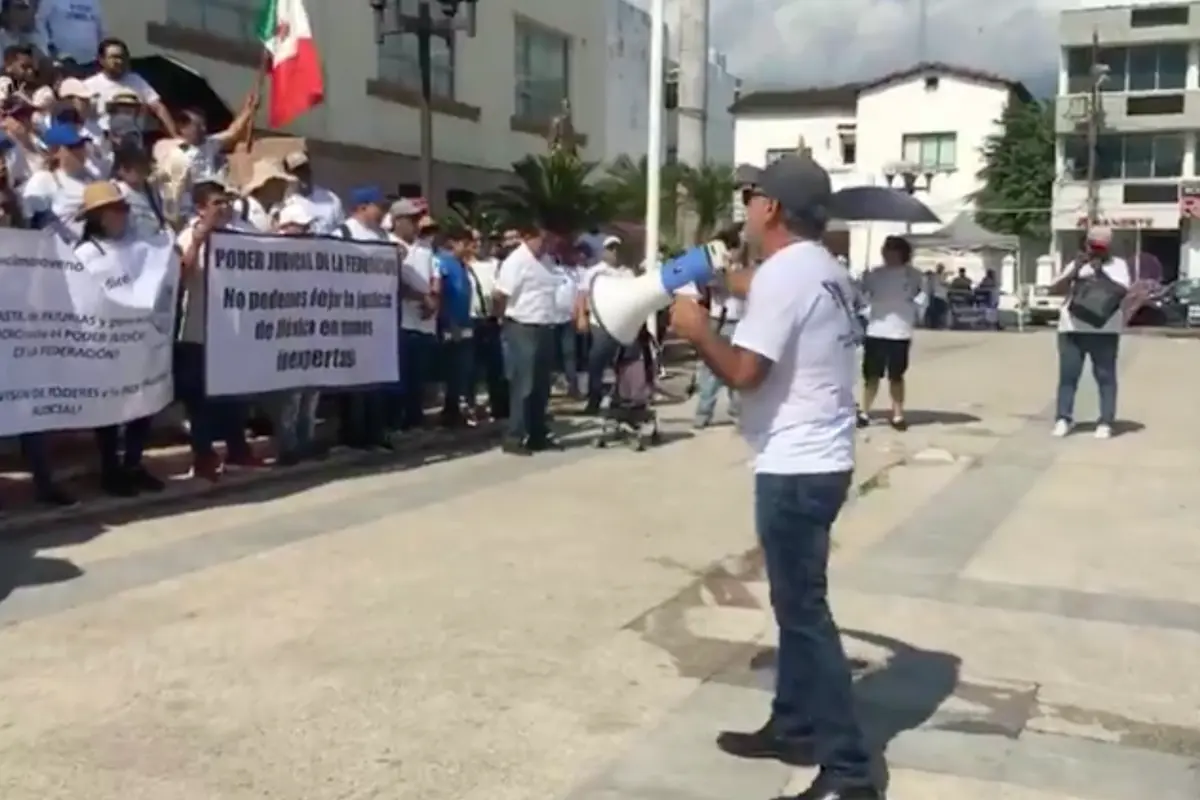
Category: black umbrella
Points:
column 879, row 204
column 183, row 88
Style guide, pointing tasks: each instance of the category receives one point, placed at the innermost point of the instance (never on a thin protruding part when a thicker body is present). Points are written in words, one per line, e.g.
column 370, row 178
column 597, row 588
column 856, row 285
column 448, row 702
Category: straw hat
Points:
column 265, row 171
column 98, row 195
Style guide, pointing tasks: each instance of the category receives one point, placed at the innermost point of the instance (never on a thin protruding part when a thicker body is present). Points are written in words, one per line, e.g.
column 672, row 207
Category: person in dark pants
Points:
column 458, row 350
column 487, row 366
column 602, row 349
column 792, row 358
column 524, row 297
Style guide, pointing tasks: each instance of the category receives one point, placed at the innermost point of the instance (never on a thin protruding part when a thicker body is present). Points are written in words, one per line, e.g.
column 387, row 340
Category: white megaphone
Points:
column 622, row 305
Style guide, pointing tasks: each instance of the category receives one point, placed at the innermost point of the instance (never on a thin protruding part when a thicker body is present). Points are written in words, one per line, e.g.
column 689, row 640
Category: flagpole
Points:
column 654, row 139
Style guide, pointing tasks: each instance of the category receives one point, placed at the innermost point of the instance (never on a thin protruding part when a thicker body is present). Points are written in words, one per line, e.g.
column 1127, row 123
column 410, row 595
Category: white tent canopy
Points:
column 964, row 233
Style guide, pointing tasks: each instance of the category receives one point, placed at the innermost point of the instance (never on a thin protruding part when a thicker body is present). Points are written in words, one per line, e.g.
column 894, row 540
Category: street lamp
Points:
column 425, row 26
column 908, row 175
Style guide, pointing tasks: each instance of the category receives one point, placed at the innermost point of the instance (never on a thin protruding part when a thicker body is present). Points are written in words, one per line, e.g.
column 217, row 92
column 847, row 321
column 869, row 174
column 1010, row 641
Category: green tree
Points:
column 1018, row 172
column 625, row 182
column 708, row 194
column 555, row 191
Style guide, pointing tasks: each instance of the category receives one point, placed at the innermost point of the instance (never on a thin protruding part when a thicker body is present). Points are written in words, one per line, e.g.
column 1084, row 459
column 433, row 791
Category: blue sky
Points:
column 812, row 42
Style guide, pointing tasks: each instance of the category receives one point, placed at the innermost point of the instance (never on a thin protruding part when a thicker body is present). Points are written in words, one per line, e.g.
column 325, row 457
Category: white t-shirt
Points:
column 73, row 28
column 327, row 210
column 893, row 295
column 1118, row 270
column 798, row 316
column 250, row 210
column 102, row 89
column 569, row 283
column 483, row 283
column 417, row 272
column 59, row 194
column 530, row 284
column 194, row 284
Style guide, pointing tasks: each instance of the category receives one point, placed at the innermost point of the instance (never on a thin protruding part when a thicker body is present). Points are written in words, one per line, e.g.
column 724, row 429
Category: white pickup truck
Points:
column 1044, row 307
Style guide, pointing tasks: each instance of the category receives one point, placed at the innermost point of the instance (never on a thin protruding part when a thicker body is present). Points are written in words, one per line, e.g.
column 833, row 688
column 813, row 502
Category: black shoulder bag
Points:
column 1095, row 299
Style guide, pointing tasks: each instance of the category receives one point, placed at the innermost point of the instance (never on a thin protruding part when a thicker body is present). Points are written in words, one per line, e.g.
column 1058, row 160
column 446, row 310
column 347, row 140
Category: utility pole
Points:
column 1097, row 73
column 425, row 26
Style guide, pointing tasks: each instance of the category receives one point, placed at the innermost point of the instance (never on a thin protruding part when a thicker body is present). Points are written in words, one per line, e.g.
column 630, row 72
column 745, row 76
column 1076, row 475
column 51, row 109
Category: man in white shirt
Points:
column 115, row 76
column 364, row 410
column 894, row 296
column 326, row 205
column 211, row 419
column 72, row 30
column 418, row 309
column 1079, row 340
column 489, row 354
column 792, row 358
column 526, row 287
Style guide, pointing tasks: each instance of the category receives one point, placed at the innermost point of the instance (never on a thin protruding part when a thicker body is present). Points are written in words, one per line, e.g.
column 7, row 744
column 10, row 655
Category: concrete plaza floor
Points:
column 578, row 625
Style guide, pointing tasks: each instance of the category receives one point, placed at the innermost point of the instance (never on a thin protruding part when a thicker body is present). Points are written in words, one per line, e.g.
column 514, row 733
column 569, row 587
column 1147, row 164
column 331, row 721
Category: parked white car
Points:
column 1044, row 307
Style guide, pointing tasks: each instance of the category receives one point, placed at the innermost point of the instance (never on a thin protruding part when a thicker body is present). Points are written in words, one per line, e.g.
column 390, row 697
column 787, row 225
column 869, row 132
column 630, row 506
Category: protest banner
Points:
column 85, row 333
column 290, row 312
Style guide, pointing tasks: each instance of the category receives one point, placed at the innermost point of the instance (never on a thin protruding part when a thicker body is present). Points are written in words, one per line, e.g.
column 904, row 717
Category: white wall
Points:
column 345, row 37
column 627, row 93
column 886, row 114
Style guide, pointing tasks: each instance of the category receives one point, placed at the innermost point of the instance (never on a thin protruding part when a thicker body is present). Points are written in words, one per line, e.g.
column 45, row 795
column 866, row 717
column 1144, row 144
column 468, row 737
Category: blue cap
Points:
column 62, row 135
column 367, row 196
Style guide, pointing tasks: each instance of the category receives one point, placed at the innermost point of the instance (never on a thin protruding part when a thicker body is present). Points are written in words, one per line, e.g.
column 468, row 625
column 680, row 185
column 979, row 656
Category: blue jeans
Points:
column 709, row 386
column 602, row 355
column 794, row 515
column 418, row 354
column 211, row 419
column 297, row 421
column 566, row 355
column 1073, row 349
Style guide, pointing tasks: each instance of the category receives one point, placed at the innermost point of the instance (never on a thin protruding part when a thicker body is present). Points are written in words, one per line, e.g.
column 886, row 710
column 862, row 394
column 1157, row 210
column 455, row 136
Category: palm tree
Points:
column 477, row 216
column 708, row 194
column 555, row 191
column 625, row 183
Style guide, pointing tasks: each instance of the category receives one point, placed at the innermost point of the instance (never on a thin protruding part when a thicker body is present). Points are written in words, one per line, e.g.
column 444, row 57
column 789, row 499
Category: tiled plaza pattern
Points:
column 578, row 625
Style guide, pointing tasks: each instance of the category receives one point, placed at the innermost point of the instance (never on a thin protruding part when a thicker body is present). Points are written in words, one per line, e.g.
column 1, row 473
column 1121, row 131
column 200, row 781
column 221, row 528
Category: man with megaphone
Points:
column 792, row 358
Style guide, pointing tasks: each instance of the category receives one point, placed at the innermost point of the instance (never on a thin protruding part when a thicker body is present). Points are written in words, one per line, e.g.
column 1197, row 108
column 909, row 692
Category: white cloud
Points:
column 812, row 42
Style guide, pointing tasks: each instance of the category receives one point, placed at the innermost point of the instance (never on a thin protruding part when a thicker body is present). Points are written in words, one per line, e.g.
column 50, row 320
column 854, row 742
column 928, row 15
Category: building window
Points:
column 399, row 62
column 543, row 71
column 934, row 152
column 1154, row 105
column 848, row 141
column 1129, row 156
column 227, row 19
column 1161, row 17
column 776, row 153
column 671, row 91
column 1159, row 67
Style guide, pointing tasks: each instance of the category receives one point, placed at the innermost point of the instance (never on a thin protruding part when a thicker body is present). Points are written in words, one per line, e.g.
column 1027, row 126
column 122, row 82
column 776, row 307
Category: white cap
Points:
column 609, row 241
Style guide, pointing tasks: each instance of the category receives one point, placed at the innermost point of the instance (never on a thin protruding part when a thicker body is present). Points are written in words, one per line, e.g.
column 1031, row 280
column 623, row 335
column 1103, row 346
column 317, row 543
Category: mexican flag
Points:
column 292, row 60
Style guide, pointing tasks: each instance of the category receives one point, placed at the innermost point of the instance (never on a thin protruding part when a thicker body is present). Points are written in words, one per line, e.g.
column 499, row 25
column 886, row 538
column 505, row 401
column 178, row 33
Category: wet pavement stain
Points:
column 1106, row 726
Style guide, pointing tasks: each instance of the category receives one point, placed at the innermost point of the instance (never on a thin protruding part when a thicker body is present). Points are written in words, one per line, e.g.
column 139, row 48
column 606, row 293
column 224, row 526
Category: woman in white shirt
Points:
column 105, row 219
column 53, row 196
column 489, row 356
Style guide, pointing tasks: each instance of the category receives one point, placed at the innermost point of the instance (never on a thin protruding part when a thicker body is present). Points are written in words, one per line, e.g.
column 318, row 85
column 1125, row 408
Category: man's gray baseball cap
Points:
column 746, row 175
column 799, row 184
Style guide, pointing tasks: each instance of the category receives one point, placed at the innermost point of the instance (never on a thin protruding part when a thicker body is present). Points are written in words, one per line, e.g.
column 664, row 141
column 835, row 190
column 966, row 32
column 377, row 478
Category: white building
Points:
column 1146, row 154
column 495, row 95
column 935, row 116
column 627, row 99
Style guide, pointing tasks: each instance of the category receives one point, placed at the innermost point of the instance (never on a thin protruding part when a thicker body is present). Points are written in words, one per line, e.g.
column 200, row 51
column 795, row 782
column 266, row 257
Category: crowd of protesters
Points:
column 91, row 152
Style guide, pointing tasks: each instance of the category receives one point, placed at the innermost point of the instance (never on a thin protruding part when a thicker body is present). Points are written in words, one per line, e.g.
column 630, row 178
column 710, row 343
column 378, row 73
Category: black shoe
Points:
column 144, row 481
column 821, row 790
column 288, row 459
column 54, row 497
column 764, row 743
column 899, row 423
column 545, row 444
column 116, row 483
column 515, row 448
column 863, row 421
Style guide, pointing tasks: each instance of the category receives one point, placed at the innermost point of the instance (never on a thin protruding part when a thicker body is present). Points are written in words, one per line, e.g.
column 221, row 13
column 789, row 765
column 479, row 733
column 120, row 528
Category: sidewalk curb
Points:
column 188, row 494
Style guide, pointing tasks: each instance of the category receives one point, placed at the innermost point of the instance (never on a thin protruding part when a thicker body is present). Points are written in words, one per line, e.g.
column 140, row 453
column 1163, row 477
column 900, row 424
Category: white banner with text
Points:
column 85, row 333
column 290, row 312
